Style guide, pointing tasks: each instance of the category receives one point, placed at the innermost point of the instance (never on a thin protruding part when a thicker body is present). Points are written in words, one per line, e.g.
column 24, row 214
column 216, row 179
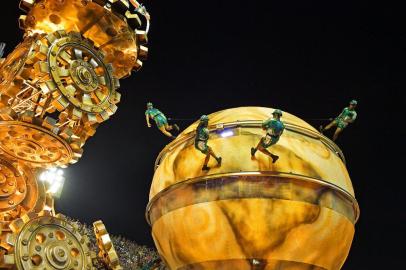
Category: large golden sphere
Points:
column 298, row 213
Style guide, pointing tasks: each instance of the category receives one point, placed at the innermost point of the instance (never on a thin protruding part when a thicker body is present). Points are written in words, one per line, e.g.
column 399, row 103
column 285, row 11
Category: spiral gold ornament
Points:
column 44, row 241
column 106, row 248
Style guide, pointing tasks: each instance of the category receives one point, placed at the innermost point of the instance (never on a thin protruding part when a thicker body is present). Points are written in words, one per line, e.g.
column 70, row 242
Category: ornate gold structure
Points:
column 56, row 87
column 298, row 213
column 106, row 248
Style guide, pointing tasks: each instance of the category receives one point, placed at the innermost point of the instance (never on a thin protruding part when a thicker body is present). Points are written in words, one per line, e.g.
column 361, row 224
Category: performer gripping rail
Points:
column 274, row 129
column 202, row 136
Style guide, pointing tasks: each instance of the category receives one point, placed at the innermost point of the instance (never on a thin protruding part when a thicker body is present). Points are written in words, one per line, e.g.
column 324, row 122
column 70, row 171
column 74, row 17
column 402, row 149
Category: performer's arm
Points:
column 147, row 118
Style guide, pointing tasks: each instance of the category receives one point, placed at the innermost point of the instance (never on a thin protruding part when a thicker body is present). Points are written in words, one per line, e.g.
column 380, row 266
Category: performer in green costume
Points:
column 348, row 115
column 202, row 136
column 160, row 120
column 274, row 129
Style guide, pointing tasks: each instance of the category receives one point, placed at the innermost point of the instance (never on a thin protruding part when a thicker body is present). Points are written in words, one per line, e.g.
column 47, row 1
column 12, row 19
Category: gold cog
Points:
column 106, row 248
column 34, row 145
column 43, row 241
column 20, row 193
column 84, row 84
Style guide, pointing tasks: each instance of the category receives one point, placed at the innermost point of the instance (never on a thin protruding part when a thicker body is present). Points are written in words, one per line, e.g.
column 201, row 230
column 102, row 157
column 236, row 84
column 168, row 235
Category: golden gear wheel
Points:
column 106, row 248
column 123, row 42
column 80, row 82
column 44, row 241
column 20, row 193
column 35, row 145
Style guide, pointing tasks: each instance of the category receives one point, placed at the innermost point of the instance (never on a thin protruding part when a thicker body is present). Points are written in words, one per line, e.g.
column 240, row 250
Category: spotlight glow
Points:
column 54, row 180
column 226, row 133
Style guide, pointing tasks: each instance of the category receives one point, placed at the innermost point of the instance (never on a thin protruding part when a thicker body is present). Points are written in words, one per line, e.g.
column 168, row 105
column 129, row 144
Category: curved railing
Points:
column 251, row 124
column 265, row 184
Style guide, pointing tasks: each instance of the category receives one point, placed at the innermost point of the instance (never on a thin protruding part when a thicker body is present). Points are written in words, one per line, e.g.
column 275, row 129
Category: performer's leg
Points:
column 218, row 159
column 254, row 149
column 336, row 133
column 206, row 161
column 171, row 127
column 164, row 131
column 266, row 152
column 332, row 124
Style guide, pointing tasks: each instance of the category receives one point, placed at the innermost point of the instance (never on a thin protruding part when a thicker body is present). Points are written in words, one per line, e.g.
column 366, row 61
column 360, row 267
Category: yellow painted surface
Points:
column 298, row 154
column 296, row 214
column 254, row 228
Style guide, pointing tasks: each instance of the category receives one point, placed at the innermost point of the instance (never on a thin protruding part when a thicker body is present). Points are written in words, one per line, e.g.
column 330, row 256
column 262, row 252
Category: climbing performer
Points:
column 160, row 120
column 347, row 116
column 274, row 129
column 202, row 136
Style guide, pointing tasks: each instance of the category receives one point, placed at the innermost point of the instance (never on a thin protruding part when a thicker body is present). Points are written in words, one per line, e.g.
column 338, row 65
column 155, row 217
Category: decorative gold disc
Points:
column 33, row 144
column 43, row 241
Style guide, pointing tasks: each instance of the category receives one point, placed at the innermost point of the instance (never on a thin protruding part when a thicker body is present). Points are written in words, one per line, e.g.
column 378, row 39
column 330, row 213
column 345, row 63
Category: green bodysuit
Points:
column 274, row 129
column 346, row 115
column 202, row 136
column 157, row 116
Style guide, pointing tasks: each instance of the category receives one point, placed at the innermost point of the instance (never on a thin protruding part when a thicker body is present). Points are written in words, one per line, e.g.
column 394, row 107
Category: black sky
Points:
column 305, row 57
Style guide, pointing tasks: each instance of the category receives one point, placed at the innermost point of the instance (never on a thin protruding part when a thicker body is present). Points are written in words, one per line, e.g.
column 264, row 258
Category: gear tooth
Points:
column 106, row 241
column 142, row 36
column 16, row 225
column 9, row 259
column 75, row 226
column 90, row 119
column 60, row 103
column 41, row 67
column 47, row 87
column 116, row 83
column 143, row 52
column 49, row 204
column 78, row 153
column 119, row 6
column 26, row 5
column 45, row 213
column 110, row 68
column 50, row 124
column 101, row 2
column 61, row 216
column 50, row 38
column 22, row 22
column 29, row 216
column 138, row 65
column 61, row 33
column 75, row 35
column 93, row 255
column 77, row 114
column 102, row 116
column 99, row 228
column 40, row 52
column 27, row 116
column 66, row 133
column 112, row 109
column 133, row 20
column 10, row 239
column 113, row 257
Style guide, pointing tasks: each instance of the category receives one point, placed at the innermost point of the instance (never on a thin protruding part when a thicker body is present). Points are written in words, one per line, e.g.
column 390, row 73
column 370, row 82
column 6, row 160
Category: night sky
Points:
column 306, row 57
